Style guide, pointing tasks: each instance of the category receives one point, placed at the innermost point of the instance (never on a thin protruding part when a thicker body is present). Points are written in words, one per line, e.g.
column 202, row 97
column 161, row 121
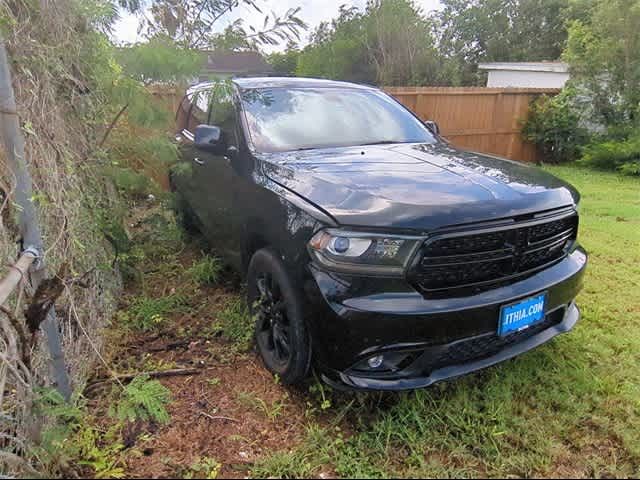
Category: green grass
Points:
column 569, row 408
column 149, row 313
column 206, row 271
column 236, row 324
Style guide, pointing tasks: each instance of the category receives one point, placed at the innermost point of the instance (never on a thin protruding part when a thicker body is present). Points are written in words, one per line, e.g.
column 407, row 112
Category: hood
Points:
column 416, row 186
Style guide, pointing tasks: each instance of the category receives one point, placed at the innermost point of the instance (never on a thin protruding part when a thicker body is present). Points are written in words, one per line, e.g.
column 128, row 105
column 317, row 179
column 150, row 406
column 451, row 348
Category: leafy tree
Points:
column 285, row 63
column 390, row 42
column 400, row 43
column 338, row 49
column 603, row 55
column 191, row 24
column 473, row 31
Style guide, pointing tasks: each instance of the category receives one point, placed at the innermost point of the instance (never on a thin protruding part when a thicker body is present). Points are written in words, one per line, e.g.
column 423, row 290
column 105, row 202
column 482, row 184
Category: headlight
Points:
column 357, row 252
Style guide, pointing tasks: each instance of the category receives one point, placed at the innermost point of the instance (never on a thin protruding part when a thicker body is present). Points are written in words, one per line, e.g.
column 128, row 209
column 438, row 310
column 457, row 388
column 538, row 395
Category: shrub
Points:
column 621, row 155
column 131, row 183
column 554, row 125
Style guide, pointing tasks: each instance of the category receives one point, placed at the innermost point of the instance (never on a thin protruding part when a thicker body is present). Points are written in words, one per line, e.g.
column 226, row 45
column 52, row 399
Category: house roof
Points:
column 556, row 67
column 237, row 63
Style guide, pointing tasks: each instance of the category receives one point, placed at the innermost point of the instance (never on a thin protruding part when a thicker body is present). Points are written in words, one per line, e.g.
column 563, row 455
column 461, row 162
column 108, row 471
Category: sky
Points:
column 313, row 12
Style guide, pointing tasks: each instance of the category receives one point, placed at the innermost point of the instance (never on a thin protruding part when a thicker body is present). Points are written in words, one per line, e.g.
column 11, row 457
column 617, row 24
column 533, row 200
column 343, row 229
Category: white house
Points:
column 526, row 74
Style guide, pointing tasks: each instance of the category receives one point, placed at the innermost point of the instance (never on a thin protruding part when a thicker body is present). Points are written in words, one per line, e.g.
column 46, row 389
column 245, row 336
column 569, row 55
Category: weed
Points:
column 321, row 393
column 315, row 453
column 214, row 382
column 206, row 271
column 143, row 399
column 152, row 365
column 146, row 313
column 236, row 324
column 272, row 411
column 205, row 467
column 72, row 442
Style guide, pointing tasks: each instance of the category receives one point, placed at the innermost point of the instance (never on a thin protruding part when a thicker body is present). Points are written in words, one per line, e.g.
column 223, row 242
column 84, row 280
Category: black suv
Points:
column 369, row 245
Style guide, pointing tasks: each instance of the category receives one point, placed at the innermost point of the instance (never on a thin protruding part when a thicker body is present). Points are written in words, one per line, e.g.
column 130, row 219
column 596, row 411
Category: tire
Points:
column 281, row 334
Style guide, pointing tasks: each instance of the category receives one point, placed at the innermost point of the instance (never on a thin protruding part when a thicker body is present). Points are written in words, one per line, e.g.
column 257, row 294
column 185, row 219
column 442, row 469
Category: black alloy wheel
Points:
column 276, row 306
column 273, row 327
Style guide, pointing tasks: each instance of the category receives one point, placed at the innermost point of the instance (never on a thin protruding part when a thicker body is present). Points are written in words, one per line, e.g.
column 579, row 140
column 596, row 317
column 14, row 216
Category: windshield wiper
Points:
column 380, row 142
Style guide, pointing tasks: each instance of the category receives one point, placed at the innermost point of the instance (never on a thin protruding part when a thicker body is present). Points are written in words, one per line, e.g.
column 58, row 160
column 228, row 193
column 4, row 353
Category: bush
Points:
column 554, row 125
column 620, row 155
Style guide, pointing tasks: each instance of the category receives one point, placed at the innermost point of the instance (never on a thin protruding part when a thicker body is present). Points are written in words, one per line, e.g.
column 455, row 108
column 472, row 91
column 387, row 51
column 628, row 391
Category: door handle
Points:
column 198, row 161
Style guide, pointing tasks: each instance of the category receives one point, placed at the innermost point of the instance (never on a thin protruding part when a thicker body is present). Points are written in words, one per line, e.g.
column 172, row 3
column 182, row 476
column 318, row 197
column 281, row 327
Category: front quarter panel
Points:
column 278, row 218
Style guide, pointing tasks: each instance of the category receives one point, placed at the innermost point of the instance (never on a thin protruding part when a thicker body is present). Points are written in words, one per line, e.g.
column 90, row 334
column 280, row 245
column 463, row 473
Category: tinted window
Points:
column 223, row 115
column 199, row 110
column 292, row 119
column 182, row 116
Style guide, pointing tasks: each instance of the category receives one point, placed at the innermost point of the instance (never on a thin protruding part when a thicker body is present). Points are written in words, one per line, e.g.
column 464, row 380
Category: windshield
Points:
column 305, row 118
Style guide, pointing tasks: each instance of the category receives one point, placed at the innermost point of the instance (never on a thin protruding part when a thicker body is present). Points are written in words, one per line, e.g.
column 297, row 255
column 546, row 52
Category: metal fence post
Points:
column 29, row 227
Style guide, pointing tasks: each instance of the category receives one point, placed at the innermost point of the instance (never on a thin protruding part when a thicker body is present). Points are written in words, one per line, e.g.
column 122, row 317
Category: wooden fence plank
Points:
column 485, row 120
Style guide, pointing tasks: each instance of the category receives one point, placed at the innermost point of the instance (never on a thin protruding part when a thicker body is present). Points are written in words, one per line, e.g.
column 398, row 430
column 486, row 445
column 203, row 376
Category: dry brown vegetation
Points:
column 55, row 103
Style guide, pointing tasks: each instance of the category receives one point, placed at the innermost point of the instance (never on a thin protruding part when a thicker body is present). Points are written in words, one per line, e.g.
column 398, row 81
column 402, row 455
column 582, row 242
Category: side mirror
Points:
column 209, row 138
column 433, row 126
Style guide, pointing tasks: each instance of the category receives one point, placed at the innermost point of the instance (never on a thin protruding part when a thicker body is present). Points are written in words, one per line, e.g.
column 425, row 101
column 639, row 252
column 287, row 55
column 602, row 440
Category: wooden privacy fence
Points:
column 487, row 120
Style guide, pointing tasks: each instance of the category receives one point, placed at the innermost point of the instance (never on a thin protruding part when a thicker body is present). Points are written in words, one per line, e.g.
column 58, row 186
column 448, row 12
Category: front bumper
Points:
column 356, row 318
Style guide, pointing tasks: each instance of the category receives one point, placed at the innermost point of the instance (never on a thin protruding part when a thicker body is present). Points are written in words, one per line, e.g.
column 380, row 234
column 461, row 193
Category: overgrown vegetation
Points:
column 597, row 118
column 74, row 441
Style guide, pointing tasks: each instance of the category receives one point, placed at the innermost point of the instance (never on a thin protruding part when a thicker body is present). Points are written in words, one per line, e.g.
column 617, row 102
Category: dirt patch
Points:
column 234, row 411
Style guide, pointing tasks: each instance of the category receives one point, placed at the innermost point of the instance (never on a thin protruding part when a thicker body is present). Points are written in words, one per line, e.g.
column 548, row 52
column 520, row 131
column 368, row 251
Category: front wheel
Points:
column 281, row 334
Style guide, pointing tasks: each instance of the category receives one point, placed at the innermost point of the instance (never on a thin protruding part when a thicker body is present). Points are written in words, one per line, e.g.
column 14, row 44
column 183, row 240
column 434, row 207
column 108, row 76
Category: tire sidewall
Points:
column 267, row 261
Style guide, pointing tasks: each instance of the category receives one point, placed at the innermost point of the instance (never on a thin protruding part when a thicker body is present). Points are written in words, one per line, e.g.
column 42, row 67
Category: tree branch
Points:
column 112, row 125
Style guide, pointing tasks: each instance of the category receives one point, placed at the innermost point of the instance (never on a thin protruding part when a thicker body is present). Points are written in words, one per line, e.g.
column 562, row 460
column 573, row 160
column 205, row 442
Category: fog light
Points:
column 376, row 362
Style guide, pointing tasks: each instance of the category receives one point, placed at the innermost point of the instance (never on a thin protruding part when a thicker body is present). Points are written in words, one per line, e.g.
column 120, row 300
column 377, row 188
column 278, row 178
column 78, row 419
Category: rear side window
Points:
column 212, row 105
column 182, row 115
column 223, row 115
column 200, row 102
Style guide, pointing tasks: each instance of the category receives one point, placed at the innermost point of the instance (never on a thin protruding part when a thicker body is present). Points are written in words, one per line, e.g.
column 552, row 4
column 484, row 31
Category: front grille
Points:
column 482, row 347
column 470, row 262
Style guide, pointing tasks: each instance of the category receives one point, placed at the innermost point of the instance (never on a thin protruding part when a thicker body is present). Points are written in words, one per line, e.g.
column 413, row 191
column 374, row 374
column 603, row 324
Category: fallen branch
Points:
column 169, row 346
column 211, row 417
column 127, row 377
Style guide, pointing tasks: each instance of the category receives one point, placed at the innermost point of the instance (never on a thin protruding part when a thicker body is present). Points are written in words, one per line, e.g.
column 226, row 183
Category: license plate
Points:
column 521, row 315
